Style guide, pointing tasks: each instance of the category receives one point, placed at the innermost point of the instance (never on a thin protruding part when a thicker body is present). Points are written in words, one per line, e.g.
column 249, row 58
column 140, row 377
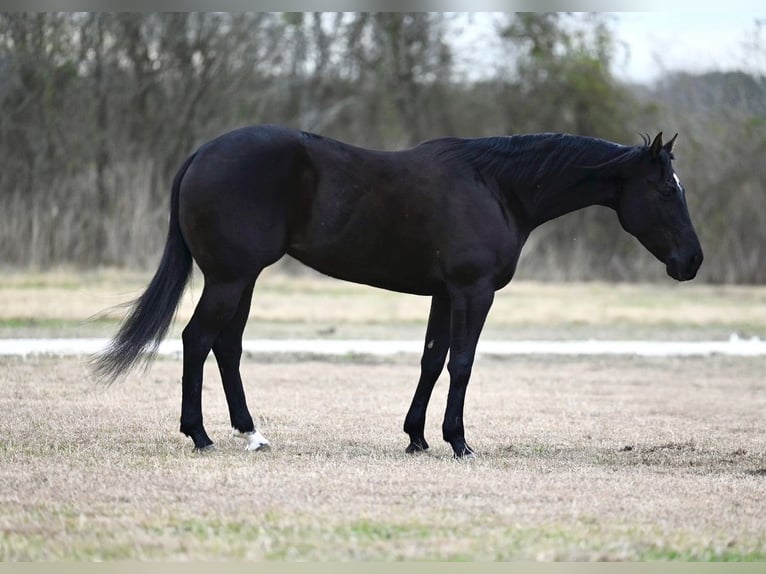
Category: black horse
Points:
column 447, row 218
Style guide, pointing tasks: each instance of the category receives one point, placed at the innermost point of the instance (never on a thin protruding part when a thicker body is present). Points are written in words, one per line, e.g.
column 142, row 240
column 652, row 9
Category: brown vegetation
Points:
column 99, row 109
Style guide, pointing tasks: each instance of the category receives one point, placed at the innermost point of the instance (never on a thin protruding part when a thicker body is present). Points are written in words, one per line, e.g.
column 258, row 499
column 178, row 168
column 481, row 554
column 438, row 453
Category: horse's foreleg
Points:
column 469, row 308
column 431, row 365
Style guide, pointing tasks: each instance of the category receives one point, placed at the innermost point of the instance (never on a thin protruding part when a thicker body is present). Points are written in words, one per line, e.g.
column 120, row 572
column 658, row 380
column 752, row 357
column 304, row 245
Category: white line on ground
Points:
column 734, row 346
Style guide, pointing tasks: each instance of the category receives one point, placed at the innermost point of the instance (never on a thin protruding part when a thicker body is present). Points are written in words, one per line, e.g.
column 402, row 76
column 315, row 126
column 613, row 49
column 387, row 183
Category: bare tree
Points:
column 97, row 110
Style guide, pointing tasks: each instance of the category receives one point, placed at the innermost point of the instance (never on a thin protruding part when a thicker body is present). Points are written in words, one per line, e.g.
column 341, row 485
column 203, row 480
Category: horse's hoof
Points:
column 204, row 449
column 256, row 442
column 466, row 453
column 417, row 446
column 263, row 447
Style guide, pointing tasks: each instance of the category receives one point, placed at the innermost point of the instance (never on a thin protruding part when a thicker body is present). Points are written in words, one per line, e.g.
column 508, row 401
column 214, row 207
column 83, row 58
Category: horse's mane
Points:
column 532, row 157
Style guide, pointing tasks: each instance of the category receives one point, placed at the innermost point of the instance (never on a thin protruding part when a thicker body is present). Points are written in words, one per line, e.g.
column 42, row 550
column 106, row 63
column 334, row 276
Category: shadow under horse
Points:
column 447, row 219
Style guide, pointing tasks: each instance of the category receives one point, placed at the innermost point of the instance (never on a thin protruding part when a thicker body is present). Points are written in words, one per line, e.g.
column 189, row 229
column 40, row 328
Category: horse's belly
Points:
column 384, row 267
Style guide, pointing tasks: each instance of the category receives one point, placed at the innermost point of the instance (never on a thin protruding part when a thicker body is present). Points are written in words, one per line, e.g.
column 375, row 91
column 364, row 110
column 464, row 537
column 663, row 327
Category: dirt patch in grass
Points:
column 579, row 459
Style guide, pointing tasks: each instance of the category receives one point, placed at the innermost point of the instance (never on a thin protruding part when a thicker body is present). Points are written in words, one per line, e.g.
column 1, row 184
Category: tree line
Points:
column 100, row 109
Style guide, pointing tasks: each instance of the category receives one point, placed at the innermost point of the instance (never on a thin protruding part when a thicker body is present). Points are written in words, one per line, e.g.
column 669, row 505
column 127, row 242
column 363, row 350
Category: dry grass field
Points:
column 66, row 303
column 612, row 458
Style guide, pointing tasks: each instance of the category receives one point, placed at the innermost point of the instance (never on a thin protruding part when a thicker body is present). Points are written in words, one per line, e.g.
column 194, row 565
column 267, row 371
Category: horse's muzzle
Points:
column 684, row 268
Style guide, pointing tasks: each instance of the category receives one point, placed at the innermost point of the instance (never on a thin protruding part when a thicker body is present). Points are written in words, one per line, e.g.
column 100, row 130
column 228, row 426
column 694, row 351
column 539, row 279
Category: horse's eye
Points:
column 666, row 190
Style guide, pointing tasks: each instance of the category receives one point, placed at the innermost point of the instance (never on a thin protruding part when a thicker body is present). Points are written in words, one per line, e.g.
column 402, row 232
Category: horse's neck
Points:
column 545, row 174
column 547, row 201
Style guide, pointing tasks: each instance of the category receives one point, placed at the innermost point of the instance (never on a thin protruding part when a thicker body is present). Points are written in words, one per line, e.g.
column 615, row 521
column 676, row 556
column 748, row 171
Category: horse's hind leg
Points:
column 217, row 306
column 228, row 352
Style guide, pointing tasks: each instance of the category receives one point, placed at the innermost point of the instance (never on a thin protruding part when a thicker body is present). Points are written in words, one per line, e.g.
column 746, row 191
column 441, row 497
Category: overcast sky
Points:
column 694, row 41
column 650, row 42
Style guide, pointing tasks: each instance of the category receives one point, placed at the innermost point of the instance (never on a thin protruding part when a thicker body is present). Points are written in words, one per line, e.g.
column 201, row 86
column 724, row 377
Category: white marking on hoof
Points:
column 255, row 440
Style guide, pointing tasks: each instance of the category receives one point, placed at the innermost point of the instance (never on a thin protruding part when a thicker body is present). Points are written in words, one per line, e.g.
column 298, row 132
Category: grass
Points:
column 65, row 303
column 597, row 458
column 580, row 459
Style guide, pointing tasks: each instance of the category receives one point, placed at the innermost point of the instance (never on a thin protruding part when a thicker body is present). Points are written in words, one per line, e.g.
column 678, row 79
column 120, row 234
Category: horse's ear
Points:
column 656, row 146
column 668, row 147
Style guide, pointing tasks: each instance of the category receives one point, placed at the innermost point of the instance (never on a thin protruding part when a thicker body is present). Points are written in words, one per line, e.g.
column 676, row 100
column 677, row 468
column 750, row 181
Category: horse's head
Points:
column 651, row 205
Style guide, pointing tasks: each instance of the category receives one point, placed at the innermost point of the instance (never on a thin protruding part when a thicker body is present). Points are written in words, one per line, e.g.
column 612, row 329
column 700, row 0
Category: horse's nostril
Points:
column 694, row 263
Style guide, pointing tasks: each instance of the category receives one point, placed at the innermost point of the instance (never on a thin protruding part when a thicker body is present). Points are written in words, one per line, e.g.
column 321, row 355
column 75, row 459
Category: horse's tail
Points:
column 151, row 314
